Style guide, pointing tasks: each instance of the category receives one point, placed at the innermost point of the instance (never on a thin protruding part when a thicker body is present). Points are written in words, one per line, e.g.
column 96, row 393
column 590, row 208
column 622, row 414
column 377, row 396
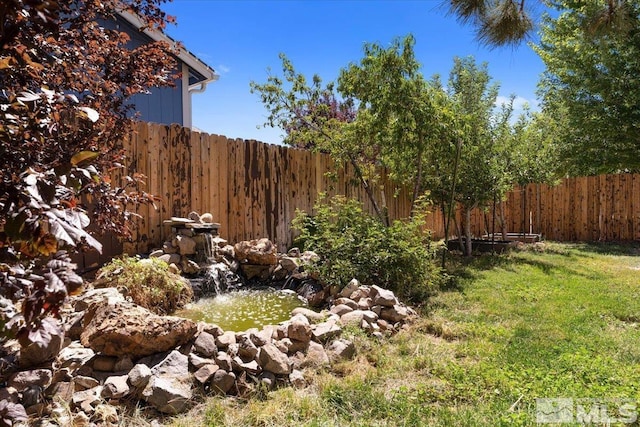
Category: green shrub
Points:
column 149, row 283
column 353, row 244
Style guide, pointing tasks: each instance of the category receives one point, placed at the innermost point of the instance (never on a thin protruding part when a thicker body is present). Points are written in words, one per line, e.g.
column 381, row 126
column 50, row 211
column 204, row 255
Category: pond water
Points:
column 241, row 310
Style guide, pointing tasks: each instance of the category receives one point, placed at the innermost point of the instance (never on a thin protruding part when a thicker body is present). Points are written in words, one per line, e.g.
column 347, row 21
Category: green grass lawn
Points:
column 561, row 323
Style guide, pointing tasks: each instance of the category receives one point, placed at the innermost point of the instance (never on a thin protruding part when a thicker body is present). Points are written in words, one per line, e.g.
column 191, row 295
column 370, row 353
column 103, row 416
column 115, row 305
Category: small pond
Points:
column 241, row 310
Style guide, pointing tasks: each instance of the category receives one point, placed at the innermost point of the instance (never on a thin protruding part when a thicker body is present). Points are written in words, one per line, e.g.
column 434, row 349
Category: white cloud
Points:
column 518, row 103
column 222, row 69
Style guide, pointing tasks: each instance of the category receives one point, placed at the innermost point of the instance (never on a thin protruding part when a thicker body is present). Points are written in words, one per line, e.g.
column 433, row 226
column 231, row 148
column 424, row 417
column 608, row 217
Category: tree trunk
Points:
column 467, row 232
column 503, row 221
column 367, row 188
column 418, row 182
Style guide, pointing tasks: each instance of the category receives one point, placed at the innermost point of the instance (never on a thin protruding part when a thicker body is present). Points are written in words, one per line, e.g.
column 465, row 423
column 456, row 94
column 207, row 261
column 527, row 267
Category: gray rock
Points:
column 296, row 346
column 263, row 336
column 312, row 316
column 351, row 287
column 116, row 387
column 369, row 316
column 296, row 378
column 361, row 292
column 290, row 264
column 205, row 373
column 394, row 314
column 61, row 391
column 341, row 349
column 316, row 356
column 84, row 383
column 14, row 414
column 272, row 359
column 377, row 309
column 189, row 266
column 281, row 331
column 169, row 388
column 257, row 252
column 384, row 325
column 250, row 367
column 341, row 309
column 226, row 339
column 167, row 258
column 246, row 348
column 87, row 397
column 224, row 361
column 124, row 328
column 352, row 318
column 156, row 253
column 325, row 331
column 283, row 345
column 94, row 296
column 35, row 377
column 222, row 381
column 198, row 362
column 383, row 297
column 365, row 303
column 74, row 355
column 299, row 329
column 186, row 245
column 206, row 218
column 168, row 248
column 205, row 344
column 210, row 328
column 139, row 375
column 346, row 301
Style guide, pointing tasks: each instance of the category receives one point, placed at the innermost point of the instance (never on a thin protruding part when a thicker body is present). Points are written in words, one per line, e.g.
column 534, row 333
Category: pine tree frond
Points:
column 506, row 23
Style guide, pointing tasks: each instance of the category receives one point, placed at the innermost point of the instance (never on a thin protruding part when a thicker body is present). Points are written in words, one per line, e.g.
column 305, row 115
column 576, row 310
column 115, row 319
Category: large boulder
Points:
column 169, row 388
column 260, row 252
column 124, row 328
column 95, row 296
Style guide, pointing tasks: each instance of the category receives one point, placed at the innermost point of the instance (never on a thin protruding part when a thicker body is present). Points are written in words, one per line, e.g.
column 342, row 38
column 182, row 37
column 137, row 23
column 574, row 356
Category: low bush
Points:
column 149, row 283
column 353, row 244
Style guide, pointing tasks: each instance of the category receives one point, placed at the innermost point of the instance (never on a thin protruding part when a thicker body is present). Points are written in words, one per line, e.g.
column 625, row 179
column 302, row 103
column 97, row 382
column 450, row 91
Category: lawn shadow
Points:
column 610, row 248
column 471, row 268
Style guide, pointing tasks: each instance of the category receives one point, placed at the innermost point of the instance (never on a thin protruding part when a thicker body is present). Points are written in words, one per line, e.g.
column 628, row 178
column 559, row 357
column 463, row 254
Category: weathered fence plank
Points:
column 253, row 190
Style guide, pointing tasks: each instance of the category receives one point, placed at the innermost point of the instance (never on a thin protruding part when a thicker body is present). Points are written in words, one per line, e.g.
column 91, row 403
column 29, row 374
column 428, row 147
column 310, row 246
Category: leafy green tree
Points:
column 405, row 111
column 590, row 87
column 483, row 137
column 65, row 85
column 314, row 116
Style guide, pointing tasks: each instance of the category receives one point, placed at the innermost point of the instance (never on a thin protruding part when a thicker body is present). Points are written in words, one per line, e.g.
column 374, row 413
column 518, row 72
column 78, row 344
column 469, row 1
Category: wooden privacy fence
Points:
column 253, row 190
column 593, row 208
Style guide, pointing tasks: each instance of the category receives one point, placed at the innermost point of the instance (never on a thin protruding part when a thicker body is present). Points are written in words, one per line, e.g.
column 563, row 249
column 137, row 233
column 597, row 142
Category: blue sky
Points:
column 242, row 39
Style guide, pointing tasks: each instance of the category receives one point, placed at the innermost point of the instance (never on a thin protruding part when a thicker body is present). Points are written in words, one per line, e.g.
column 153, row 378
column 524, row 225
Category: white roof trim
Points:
column 185, row 56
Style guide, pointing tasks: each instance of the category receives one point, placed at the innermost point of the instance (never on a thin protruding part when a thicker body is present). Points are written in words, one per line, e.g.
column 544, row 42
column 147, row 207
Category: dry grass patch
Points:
column 148, row 282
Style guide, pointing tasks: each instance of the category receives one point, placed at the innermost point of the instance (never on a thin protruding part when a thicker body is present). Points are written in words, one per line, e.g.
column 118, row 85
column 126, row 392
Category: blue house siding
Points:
column 163, row 104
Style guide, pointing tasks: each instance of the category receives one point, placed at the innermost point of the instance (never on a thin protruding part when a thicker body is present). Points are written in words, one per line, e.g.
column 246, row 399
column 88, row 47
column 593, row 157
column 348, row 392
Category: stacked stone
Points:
column 187, row 242
column 116, row 351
